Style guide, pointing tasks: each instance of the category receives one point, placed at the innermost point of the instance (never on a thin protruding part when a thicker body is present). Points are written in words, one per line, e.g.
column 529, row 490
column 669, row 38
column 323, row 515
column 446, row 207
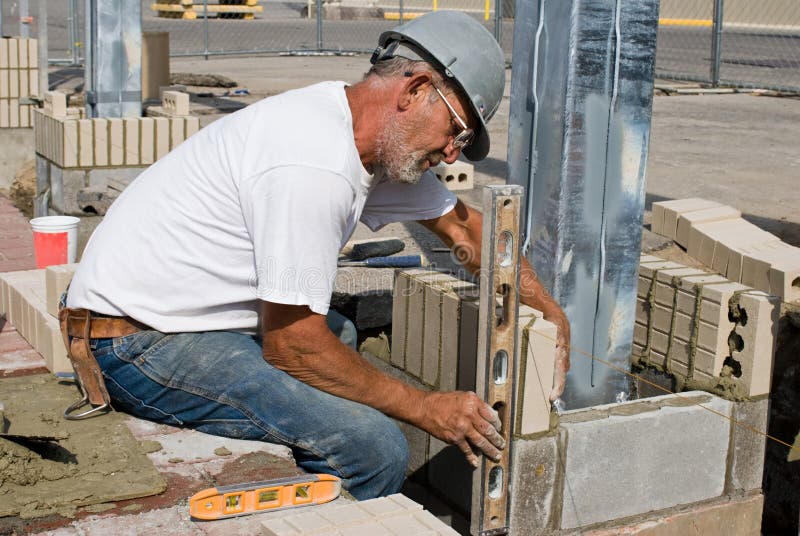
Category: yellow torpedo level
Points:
column 264, row 496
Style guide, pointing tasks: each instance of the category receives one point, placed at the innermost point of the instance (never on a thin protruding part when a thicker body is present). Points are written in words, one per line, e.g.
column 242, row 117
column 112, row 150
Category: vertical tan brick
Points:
column 4, row 113
column 3, row 53
column 689, row 219
column 13, row 113
column 535, row 384
column 451, row 322
column 148, row 140
column 33, row 81
column 70, row 143
column 102, row 148
column 432, row 334
column 162, row 137
column 192, row 126
column 22, row 48
column 86, row 146
column 468, row 339
column 116, row 142
column 415, row 326
column 57, row 278
column 399, row 319
column 33, row 54
column 13, row 53
column 4, row 90
column 758, row 335
column 24, row 90
column 177, row 131
column 131, row 141
column 175, row 102
column 13, row 83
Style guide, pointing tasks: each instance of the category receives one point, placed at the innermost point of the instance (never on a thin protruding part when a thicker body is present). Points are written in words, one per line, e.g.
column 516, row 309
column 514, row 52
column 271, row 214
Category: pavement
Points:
column 739, row 149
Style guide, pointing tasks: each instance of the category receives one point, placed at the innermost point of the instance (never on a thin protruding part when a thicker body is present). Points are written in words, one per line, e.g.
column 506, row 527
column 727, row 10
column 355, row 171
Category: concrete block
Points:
column 754, row 341
column 175, row 102
column 728, row 516
column 3, row 53
column 784, row 279
column 684, row 462
column 748, row 445
column 115, row 177
column 535, row 381
column 535, row 483
column 4, row 113
column 162, row 136
column 456, row 176
column 85, row 143
column 13, row 53
column 13, row 84
column 55, row 103
column 102, row 153
column 400, row 318
column 147, row 129
column 647, row 270
column 131, row 125
column 669, row 211
column 468, row 339
column 449, row 474
column 64, row 187
column 13, row 113
column 192, row 126
column 177, row 131
column 116, row 142
column 57, row 278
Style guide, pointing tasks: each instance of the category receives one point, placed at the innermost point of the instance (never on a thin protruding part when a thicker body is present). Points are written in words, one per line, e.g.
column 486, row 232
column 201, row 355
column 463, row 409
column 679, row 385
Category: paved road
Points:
column 749, row 57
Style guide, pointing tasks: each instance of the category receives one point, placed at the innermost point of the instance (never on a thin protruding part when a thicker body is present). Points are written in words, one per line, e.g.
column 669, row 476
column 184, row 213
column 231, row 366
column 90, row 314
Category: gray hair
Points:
column 397, row 66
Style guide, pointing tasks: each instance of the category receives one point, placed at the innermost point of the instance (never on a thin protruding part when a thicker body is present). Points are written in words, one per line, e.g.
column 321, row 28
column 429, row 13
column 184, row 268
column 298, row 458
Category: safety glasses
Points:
column 463, row 138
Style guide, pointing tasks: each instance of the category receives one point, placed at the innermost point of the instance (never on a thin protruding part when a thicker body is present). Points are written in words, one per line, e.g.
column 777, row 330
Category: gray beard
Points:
column 395, row 161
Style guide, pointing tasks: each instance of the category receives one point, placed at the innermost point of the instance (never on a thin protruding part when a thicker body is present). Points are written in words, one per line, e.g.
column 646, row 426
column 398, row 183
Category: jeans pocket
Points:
column 133, row 348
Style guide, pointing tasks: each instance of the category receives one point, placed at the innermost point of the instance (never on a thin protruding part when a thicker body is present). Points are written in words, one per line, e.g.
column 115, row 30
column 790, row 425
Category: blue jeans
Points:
column 219, row 383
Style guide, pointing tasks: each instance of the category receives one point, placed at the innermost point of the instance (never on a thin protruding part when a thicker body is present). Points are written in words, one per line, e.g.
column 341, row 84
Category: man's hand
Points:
column 463, row 419
column 562, row 354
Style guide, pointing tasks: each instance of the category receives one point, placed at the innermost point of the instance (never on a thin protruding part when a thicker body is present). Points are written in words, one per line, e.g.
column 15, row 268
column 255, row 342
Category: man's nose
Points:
column 450, row 152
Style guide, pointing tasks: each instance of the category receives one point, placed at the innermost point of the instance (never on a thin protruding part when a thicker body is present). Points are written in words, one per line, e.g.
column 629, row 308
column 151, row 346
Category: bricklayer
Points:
column 134, row 141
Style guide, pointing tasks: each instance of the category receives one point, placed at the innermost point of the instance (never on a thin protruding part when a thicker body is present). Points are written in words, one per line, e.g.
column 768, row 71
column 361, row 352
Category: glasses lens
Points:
column 463, row 139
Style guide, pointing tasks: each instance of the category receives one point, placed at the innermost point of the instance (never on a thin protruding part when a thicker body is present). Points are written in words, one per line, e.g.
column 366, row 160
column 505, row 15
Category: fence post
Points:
column 319, row 25
column 716, row 42
column 74, row 31
column 41, row 36
column 24, row 19
column 498, row 20
column 205, row 27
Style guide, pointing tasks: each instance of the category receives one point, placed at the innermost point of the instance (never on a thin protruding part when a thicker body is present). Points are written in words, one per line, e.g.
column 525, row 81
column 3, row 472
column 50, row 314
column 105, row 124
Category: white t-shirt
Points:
column 255, row 206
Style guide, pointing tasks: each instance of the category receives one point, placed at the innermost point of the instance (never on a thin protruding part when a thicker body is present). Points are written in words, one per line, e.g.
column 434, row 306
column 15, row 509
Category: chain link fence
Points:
column 738, row 43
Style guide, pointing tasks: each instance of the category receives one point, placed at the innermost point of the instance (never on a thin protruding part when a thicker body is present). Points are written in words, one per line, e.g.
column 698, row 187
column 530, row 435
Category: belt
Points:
column 77, row 327
column 102, row 327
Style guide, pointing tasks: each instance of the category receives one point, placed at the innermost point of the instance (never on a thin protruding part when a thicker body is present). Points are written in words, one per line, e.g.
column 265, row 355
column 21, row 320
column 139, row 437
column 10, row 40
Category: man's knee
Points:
column 343, row 328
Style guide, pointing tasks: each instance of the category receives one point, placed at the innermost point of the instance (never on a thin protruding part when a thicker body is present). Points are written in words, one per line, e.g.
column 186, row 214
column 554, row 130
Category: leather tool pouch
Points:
column 77, row 323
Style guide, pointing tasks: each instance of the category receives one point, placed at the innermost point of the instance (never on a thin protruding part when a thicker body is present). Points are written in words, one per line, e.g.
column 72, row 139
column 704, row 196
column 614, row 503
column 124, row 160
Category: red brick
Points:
column 27, row 361
column 22, row 241
column 18, row 264
column 11, row 341
column 15, row 253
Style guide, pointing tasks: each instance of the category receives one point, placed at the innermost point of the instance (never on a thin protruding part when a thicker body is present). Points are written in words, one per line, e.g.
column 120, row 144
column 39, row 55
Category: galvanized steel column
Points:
column 581, row 99
column 113, row 74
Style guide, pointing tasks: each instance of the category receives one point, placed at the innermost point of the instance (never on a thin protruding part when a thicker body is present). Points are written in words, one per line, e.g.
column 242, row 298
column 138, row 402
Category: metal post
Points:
column 205, row 27
column 498, row 20
column 24, row 19
column 113, row 73
column 319, row 25
column 1, row 18
column 44, row 77
column 716, row 42
column 401, row 11
column 579, row 125
column 74, row 32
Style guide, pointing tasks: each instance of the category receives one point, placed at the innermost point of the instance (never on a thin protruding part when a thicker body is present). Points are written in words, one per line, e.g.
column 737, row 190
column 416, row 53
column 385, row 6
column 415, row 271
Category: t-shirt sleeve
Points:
column 391, row 202
column 296, row 217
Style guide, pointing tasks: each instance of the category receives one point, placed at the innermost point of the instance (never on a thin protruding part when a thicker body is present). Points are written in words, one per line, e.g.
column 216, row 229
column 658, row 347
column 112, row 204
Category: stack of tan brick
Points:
column 435, row 340
column 717, row 236
column 19, row 78
column 29, row 300
column 69, row 141
column 704, row 329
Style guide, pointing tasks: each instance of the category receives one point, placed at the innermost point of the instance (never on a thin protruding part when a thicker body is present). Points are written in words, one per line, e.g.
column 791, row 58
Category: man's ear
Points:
column 415, row 89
